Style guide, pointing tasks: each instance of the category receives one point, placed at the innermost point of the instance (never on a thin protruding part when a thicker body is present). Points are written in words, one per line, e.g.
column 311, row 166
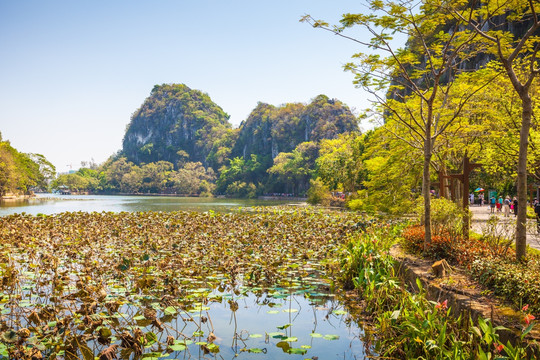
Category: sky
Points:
column 73, row 72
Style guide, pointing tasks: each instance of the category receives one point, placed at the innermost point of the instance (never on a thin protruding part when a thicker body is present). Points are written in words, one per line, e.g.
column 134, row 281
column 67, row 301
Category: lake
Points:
column 53, row 204
column 210, row 316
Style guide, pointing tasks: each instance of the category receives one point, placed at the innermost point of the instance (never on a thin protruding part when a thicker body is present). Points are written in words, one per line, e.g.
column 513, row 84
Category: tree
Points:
column 518, row 55
column 155, row 176
column 193, row 178
column 340, row 162
column 46, row 169
column 240, row 177
column 114, row 170
column 19, row 172
column 296, row 168
column 411, row 84
column 393, row 174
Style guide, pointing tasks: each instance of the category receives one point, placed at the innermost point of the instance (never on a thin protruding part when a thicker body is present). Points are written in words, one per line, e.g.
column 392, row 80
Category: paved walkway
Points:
column 504, row 226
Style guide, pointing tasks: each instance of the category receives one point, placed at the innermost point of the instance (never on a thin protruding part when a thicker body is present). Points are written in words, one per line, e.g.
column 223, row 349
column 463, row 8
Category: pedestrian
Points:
column 506, row 206
column 515, row 203
column 499, row 204
column 492, row 202
column 481, row 198
column 537, row 212
column 471, row 199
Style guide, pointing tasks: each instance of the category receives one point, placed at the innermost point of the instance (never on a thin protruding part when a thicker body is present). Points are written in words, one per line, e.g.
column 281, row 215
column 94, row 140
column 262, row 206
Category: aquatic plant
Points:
column 140, row 285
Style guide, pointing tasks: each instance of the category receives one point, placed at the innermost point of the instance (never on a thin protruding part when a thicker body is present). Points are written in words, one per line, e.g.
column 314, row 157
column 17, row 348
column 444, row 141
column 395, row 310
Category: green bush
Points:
column 446, row 216
column 318, row 193
column 360, row 202
column 516, row 282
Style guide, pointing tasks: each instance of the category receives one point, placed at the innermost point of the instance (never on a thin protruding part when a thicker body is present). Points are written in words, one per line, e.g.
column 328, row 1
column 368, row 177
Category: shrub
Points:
column 408, row 326
column 517, row 282
column 318, row 193
column 455, row 249
column 446, row 216
column 361, row 202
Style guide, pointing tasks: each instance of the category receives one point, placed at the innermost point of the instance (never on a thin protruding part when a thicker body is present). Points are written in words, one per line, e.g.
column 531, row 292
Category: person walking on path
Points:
column 492, row 202
column 537, row 212
column 506, row 206
column 515, row 203
column 499, row 204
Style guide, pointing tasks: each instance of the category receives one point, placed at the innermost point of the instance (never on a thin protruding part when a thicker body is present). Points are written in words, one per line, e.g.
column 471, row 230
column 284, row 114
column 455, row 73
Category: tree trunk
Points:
column 426, row 188
column 521, row 229
column 465, row 198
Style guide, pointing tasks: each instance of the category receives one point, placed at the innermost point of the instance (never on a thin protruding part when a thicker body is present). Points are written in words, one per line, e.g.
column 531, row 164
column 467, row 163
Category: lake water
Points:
column 53, row 204
column 302, row 320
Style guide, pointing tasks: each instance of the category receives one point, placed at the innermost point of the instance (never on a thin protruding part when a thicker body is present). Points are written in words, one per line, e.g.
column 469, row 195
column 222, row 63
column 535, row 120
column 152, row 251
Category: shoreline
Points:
column 17, row 197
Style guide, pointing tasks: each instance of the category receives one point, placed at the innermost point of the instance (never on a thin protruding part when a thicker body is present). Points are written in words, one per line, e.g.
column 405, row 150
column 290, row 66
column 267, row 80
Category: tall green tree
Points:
column 340, row 162
column 19, row 173
column 419, row 74
column 496, row 22
column 294, row 169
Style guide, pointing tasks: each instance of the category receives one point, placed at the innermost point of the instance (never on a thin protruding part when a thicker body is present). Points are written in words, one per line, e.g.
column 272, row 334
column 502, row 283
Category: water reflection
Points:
column 53, row 204
column 250, row 326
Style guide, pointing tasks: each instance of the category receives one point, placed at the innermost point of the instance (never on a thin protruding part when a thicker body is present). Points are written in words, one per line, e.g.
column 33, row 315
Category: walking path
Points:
column 505, row 226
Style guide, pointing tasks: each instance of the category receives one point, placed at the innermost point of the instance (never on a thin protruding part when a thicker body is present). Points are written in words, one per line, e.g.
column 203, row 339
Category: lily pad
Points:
column 331, row 337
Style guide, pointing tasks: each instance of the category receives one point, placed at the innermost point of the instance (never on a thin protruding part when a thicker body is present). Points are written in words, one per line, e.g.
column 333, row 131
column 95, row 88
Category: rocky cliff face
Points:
column 173, row 123
column 270, row 130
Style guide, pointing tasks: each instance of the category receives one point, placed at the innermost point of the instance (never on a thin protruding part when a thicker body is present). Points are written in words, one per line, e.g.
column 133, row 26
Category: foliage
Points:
column 294, row 170
column 516, row 282
column 413, row 86
column 393, row 174
column 20, row 173
column 318, row 193
column 120, row 175
column 80, row 285
column 270, row 130
column 238, row 177
column 340, row 162
column 490, row 262
column 176, row 118
column 81, row 181
column 517, row 53
column 408, row 325
column 446, row 216
column 455, row 249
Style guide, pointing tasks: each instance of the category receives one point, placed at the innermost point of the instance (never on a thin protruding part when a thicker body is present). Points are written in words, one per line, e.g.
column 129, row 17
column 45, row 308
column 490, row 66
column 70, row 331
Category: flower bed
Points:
column 491, row 264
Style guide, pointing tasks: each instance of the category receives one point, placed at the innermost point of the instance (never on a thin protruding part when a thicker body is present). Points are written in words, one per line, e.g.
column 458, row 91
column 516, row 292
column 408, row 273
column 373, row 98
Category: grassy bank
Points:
column 407, row 325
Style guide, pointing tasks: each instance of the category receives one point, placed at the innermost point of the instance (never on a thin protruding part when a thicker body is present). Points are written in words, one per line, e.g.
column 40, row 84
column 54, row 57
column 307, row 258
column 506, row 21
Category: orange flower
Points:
column 442, row 306
column 498, row 347
column 525, row 308
column 528, row 318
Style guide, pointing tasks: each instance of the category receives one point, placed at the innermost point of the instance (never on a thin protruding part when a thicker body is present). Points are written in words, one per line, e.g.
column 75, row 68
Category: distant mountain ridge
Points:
column 178, row 124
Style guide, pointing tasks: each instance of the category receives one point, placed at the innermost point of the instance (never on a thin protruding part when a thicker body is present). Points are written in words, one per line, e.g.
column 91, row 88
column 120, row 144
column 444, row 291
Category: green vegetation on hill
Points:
column 175, row 124
column 278, row 146
column 180, row 142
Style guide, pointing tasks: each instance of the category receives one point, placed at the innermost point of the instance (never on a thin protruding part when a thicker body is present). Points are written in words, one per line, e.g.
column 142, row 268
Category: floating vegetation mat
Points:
column 173, row 286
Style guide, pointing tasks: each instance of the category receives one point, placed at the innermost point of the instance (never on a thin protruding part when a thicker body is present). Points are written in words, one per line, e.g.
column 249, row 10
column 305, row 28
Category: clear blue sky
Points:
column 73, row 72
